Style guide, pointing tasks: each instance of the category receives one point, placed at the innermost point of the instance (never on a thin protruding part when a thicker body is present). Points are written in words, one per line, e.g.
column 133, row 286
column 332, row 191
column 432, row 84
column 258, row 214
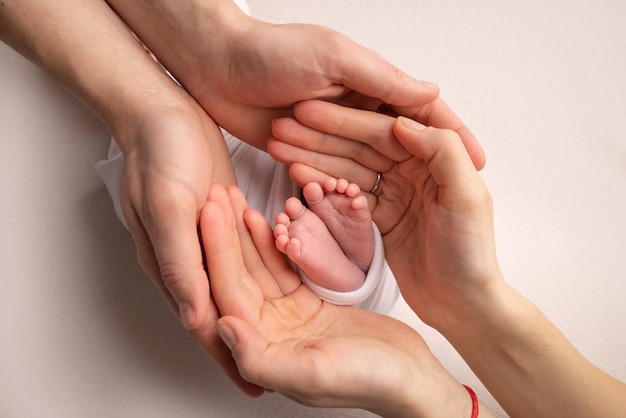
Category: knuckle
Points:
column 172, row 277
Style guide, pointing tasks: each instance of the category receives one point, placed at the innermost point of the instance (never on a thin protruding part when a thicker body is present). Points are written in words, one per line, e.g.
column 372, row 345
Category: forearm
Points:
column 179, row 32
column 89, row 50
column 528, row 364
column 427, row 391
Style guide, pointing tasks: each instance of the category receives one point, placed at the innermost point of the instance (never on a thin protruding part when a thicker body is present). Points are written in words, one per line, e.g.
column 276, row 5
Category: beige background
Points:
column 542, row 84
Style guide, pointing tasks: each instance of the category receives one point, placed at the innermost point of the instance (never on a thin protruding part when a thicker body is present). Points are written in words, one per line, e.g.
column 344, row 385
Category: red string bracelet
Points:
column 474, row 401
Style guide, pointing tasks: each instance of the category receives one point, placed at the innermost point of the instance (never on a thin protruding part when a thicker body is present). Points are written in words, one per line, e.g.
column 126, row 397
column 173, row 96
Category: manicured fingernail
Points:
column 411, row 124
column 227, row 335
column 187, row 314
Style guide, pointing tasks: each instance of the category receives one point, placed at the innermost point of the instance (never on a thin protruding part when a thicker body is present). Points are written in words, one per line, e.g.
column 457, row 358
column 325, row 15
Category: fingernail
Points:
column 411, row 124
column 187, row 314
column 227, row 335
column 430, row 86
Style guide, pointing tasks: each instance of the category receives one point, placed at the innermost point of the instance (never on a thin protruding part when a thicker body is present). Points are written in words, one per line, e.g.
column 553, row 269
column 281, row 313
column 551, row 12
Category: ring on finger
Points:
column 379, row 178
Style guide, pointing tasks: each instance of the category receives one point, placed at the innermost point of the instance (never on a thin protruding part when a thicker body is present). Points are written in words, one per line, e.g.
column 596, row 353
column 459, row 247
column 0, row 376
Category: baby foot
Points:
column 303, row 235
column 346, row 215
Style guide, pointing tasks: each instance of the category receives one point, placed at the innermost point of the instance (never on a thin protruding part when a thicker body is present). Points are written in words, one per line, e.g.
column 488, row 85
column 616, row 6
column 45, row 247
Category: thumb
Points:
column 249, row 349
column 442, row 149
column 257, row 358
column 174, row 235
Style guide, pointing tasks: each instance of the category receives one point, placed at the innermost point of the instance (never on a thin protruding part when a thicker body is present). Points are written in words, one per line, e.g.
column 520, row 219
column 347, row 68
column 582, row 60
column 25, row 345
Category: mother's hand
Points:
column 326, row 139
column 432, row 208
column 330, row 138
column 286, row 339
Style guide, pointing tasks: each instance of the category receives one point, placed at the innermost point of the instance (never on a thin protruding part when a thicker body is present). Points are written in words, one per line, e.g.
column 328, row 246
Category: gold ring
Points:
column 379, row 178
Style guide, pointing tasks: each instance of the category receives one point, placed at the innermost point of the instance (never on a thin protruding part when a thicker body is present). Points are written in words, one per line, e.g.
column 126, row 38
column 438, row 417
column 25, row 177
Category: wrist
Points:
column 134, row 94
column 138, row 110
column 91, row 52
column 490, row 332
column 472, row 310
column 453, row 402
column 185, row 36
column 428, row 390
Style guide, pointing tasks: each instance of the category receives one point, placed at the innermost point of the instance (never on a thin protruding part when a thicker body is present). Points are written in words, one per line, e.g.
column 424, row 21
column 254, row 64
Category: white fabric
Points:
column 110, row 170
column 264, row 182
column 243, row 5
column 373, row 293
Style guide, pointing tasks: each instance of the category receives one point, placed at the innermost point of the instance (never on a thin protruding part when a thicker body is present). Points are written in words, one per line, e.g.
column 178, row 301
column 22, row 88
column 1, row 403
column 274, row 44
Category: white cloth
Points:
column 243, row 5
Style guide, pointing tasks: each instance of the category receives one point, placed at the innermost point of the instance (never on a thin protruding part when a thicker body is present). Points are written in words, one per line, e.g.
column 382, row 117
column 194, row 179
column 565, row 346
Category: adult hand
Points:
column 172, row 149
column 246, row 73
column 170, row 159
column 435, row 214
column 443, row 245
column 325, row 139
column 271, row 67
column 286, row 339
column 432, row 208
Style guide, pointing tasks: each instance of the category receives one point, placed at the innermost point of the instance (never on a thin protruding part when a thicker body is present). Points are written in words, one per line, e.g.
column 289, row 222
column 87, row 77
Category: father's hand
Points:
column 286, row 339
column 245, row 73
column 264, row 69
column 170, row 160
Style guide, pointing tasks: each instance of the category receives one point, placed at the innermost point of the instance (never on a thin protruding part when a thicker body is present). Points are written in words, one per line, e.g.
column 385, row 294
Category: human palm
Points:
column 437, row 226
column 437, row 229
column 286, row 339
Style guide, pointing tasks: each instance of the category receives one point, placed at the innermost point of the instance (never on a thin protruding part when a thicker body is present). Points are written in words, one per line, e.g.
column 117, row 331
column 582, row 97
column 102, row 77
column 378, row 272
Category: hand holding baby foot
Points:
column 333, row 241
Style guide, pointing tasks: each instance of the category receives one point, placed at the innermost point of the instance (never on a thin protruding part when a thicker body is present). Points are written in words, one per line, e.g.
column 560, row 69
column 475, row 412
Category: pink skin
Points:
column 333, row 242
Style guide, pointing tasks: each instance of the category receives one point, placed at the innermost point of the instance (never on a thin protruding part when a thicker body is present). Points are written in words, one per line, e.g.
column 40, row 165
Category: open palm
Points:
column 286, row 339
column 434, row 213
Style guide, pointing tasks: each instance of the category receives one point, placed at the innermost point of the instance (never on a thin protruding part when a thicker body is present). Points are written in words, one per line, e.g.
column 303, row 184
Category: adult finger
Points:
column 261, row 280
column 443, row 151
column 233, row 290
column 440, row 115
column 371, row 128
column 257, row 359
column 295, row 133
column 224, row 262
column 171, row 225
column 329, row 165
column 366, row 72
column 277, row 266
column 147, row 259
column 303, row 174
